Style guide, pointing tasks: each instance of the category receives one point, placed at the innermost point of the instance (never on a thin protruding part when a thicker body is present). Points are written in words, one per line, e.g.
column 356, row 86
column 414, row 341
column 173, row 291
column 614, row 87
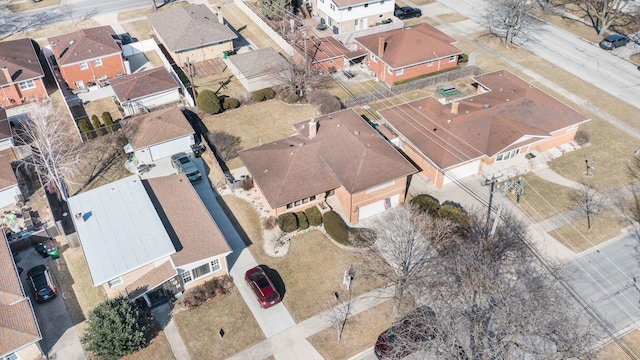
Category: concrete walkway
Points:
column 286, row 344
column 162, row 315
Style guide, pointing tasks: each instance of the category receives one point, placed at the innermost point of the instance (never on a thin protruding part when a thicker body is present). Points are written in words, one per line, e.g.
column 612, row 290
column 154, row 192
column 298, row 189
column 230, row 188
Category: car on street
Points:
column 262, row 287
column 614, row 41
column 183, row 163
column 407, row 12
column 42, row 283
column 410, row 334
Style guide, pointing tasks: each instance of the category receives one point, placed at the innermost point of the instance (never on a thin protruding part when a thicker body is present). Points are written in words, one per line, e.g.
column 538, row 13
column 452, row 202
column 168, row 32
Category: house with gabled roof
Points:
column 192, row 33
column 345, row 16
column 21, row 74
column 149, row 239
column 139, row 92
column 19, row 331
column 10, row 193
column 506, row 120
column 258, row 69
column 329, row 54
column 409, row 52
column 88, row 56
column 337, row 155
column 158, row 134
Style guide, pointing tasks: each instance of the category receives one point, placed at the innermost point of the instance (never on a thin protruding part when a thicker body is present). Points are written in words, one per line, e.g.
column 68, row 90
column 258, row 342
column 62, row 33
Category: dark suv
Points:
column 614, row 41
column 407, row 12
column 42, row 283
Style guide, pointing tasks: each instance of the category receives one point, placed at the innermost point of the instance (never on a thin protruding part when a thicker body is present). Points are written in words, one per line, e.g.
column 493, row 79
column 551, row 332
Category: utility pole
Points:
column 492, row 182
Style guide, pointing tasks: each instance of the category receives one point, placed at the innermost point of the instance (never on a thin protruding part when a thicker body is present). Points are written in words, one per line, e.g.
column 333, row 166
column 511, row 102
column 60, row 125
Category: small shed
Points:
column 257, row 69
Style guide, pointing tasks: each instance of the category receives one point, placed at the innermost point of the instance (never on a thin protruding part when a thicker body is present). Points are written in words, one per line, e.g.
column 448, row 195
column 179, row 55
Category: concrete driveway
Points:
column 59, row 338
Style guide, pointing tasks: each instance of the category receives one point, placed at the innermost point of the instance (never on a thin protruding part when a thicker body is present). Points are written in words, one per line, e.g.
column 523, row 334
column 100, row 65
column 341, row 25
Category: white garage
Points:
column 378, row 207
column 461, row 172
column 158, row 134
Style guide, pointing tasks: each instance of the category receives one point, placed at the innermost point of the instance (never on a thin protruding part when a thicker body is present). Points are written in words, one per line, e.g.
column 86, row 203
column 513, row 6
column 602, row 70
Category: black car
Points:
column 413, row 332
column 614, row 41
column 42, row 283
column 407, row 12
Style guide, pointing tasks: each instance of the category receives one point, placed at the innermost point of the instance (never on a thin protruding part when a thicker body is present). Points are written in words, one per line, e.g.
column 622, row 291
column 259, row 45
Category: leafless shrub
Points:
column 326, row 101
column 225, row 144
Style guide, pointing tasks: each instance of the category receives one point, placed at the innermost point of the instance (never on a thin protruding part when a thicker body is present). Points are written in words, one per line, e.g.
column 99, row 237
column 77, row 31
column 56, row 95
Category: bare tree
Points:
column 510, row 19
column 492, row 300
column 300, row 78
column 604, row 13
column 54, row 148
column 401, row 249
column 339, row 315
column 588, row 201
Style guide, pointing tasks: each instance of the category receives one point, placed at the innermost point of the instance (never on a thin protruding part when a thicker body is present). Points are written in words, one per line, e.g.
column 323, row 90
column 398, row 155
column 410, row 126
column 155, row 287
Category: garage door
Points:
column 377, row 207
column 461, row 172
column 169, row 148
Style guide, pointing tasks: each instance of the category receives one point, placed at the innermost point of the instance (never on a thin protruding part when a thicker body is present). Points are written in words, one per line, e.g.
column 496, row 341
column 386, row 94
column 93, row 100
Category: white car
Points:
column 183, row 163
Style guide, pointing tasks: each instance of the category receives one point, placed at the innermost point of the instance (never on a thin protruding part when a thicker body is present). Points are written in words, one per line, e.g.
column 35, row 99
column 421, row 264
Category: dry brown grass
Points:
column 199, row 327
column 97, row 107
column 635, row 58
column 41, row 34
column 259, row 123
column 213, row 82
column 452, row 17
column 361, row 332
column 536, row 201
column 578, row 28
column 139, row 29
column 27, row 5
column 613, row 351
column 157, row 349
column 247, row 29
column 154, row 58
column 576, row 237
column 307, row 254
column 141, row 13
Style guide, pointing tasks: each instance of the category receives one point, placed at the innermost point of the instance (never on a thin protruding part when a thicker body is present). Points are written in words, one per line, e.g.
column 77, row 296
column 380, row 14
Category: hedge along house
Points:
column 337, row 155
column 158, row 135
column 410, row 52
column 148, row 238
column 143, row 91
column 88, row 56
column 21, row 74
column 192, row 33
column 507, row 119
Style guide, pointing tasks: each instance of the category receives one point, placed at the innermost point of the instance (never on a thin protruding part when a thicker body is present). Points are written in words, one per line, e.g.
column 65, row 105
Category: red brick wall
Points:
column 111, row 66
column 338, row 64
column 350, row 202
column 13, row 92
column 559, row 137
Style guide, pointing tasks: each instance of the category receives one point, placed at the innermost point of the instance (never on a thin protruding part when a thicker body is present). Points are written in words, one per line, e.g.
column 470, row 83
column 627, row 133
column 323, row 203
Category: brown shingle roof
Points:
column 18, row 326
column 84, row 44
column 20, row 58
column 141, row 84
column 156, row 127
column 512, row 114
column 189, row 220
column 7, row 175
column 5, row 128
column 411, row 45
column 151, row 279
column 326, row 48
column 346, row 151
column 189, row 27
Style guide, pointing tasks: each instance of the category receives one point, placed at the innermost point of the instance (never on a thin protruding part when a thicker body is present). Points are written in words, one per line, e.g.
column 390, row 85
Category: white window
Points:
column 452, row 58
column 115, row 282
column 186, row 276
column 201, row 271
column 300, row 202
column 97, row 62
column 27, row 84
column 508, row 155
column 11, row 356
column 215, row 265
column 399, row 71
column 84, row 66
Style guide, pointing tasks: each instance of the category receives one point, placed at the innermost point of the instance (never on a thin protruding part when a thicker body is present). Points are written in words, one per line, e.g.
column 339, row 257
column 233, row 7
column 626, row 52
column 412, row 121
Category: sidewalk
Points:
column 287, row 344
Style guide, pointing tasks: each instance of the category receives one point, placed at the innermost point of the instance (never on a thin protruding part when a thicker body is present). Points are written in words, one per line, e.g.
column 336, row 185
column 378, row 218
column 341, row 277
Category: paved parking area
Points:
column 59, row 338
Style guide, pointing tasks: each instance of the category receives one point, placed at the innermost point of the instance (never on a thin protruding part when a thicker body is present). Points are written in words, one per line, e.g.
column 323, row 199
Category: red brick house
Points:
column 507, row 119
column 20, row 74
column 339, row 155
column 409, row 52
column 87, row 56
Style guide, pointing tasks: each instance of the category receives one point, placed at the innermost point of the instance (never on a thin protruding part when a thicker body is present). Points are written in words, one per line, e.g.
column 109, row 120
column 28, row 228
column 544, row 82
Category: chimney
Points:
column 454, row 107
column 313, row 128
column 220, row 17
column 7, row 76
column 380, row 46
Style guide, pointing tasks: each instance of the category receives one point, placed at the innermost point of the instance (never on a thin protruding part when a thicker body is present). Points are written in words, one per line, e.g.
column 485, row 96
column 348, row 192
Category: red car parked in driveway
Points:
column 259, row 282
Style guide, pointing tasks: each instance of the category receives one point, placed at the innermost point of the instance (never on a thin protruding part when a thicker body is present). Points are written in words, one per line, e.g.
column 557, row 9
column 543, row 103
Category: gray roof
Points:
column 265, row 61
column 119, row 229
column 189, row 27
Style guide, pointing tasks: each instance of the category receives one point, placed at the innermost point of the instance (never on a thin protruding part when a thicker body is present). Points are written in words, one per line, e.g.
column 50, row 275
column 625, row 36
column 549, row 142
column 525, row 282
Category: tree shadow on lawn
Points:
column 276, row 279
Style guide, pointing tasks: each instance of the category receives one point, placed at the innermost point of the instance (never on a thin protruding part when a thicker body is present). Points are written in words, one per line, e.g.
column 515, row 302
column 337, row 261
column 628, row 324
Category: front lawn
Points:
column 199, row 328
column 259, row 123
column 576, row 236
column 542, row 199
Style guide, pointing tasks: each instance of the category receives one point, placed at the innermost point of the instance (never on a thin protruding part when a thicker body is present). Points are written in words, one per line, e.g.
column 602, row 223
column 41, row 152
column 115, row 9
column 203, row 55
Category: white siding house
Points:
column 343, row 16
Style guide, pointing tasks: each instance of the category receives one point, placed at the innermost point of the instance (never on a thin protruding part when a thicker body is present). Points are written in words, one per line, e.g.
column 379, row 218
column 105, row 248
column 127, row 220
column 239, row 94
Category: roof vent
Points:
column 356, row 132
column 449, row 121
column 291, row 153
column 290, row 145
column 338, row 125
column 434, row 129
column 266, row 171
column 508, row 99
column 486, row 106
column 71, row 42
column 301, row 144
